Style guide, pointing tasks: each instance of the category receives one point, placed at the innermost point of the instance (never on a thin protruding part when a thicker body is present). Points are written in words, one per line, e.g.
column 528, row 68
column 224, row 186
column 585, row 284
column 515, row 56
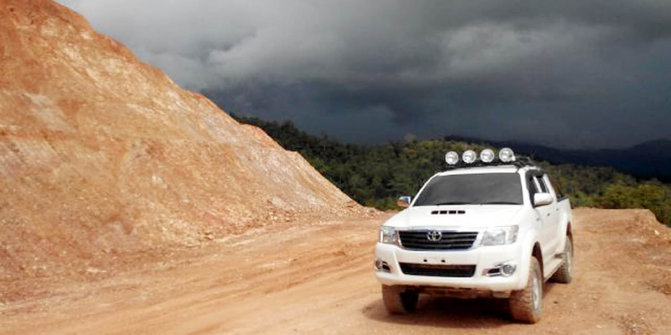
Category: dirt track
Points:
column 317, row 278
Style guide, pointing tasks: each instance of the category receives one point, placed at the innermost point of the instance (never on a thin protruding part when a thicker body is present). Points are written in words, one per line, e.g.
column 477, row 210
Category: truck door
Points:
column 551, row 221
column 546, row 216
column 557, row 234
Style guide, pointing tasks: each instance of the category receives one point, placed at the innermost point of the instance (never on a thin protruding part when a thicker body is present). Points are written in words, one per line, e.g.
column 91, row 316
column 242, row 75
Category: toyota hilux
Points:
column 489, row 226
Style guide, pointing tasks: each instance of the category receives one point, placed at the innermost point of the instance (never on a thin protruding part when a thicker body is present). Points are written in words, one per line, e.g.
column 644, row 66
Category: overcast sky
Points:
column 570, row 73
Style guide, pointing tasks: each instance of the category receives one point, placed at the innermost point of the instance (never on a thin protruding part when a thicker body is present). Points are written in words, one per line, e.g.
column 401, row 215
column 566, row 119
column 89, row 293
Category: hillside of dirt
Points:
column 103, row 157
column 317, row 278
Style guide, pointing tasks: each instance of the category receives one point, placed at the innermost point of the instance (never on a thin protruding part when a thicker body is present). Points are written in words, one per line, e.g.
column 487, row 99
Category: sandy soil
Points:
column 318, row 278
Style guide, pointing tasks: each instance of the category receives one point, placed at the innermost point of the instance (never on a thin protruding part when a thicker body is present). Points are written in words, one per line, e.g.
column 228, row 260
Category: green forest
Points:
column 375, row 175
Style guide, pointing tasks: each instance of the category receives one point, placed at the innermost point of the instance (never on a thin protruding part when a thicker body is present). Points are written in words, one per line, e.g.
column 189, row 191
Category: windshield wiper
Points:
column 451, row 203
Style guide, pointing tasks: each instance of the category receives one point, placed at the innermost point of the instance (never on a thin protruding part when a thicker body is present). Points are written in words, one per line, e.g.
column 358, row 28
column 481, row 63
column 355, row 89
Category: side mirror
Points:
column 404, row 201
column 542, row 199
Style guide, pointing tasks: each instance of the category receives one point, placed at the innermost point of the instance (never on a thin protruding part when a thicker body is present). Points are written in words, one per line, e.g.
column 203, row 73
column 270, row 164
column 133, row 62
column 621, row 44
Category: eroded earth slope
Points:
column 102, row 156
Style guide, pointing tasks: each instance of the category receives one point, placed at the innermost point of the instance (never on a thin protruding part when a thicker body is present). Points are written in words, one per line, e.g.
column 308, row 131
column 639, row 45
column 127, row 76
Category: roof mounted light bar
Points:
column 487, row 157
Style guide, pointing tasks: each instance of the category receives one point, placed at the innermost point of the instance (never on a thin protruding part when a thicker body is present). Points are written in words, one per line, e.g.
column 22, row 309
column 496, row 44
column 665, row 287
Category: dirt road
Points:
column 317, row 278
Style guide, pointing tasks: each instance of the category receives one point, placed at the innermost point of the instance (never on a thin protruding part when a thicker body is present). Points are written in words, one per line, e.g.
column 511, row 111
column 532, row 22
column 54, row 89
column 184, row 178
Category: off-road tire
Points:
column 563, row 274
column 398, row 300
column 526, row 305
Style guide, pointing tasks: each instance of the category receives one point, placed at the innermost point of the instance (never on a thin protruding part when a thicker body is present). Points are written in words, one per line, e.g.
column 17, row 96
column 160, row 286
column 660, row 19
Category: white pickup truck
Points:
column 486, row 227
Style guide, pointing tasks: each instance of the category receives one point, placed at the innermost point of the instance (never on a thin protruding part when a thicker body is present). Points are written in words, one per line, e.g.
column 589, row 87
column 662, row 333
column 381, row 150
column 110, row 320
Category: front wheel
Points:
column 526, row 305
column 398, row 300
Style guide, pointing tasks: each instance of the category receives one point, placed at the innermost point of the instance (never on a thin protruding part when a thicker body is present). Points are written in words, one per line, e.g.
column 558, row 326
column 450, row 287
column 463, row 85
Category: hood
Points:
column 469, row 216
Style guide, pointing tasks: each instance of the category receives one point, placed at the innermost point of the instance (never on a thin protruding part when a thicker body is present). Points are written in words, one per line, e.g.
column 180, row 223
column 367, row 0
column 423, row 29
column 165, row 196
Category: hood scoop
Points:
column 446, row 212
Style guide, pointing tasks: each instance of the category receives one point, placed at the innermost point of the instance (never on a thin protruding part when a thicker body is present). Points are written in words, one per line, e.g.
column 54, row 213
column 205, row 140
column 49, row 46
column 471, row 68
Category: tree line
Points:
column 375, row 175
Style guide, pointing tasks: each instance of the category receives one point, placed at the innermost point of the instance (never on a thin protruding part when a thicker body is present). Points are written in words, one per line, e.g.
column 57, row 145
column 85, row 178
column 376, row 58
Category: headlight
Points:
column 500, row 235
column 388, row 235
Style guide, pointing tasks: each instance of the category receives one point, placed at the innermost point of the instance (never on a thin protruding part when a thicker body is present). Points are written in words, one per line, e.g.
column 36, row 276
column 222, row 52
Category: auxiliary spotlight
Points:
column 487, row 155
column 452, row 158
column 469, row 156
column 507, row 155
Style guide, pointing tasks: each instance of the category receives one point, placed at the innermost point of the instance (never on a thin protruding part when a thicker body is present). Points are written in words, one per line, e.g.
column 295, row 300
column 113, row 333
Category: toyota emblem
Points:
column 434, row 235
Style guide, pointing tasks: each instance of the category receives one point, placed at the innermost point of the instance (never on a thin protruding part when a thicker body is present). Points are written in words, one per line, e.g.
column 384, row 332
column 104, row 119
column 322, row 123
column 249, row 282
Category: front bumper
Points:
column 484, row 258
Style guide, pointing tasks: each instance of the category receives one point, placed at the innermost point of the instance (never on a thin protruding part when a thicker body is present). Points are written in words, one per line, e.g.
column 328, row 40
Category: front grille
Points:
column 449, row 240
column 438, row 270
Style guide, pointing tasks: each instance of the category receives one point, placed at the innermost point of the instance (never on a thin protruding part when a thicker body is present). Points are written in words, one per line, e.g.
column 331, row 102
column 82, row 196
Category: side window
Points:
column 532, row 183
column 556, row 187
column 540, row 182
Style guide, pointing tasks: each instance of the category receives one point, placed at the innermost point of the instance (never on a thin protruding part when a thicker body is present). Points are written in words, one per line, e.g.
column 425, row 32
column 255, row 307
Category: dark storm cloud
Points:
column 566, row 73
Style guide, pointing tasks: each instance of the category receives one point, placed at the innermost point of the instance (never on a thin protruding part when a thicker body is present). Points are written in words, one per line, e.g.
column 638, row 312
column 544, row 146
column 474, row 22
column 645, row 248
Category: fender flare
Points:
column 568, row 230
column 566, row 227
column 525, row 258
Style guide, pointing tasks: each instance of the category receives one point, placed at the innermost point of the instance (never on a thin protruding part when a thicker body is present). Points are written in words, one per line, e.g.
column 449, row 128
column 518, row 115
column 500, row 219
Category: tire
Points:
column 398, row 300
column 563, row 274
column 526, row 305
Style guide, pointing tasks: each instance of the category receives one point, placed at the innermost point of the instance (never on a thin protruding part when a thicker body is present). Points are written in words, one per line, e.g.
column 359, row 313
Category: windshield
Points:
column 477, row 189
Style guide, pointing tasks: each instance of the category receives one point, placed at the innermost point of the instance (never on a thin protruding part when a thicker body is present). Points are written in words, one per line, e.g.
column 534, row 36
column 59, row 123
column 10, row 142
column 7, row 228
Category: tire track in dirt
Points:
column 318, row 278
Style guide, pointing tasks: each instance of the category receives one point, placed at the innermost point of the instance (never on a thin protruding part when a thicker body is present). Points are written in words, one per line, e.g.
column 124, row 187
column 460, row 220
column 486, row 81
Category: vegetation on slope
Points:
column 376, row 175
